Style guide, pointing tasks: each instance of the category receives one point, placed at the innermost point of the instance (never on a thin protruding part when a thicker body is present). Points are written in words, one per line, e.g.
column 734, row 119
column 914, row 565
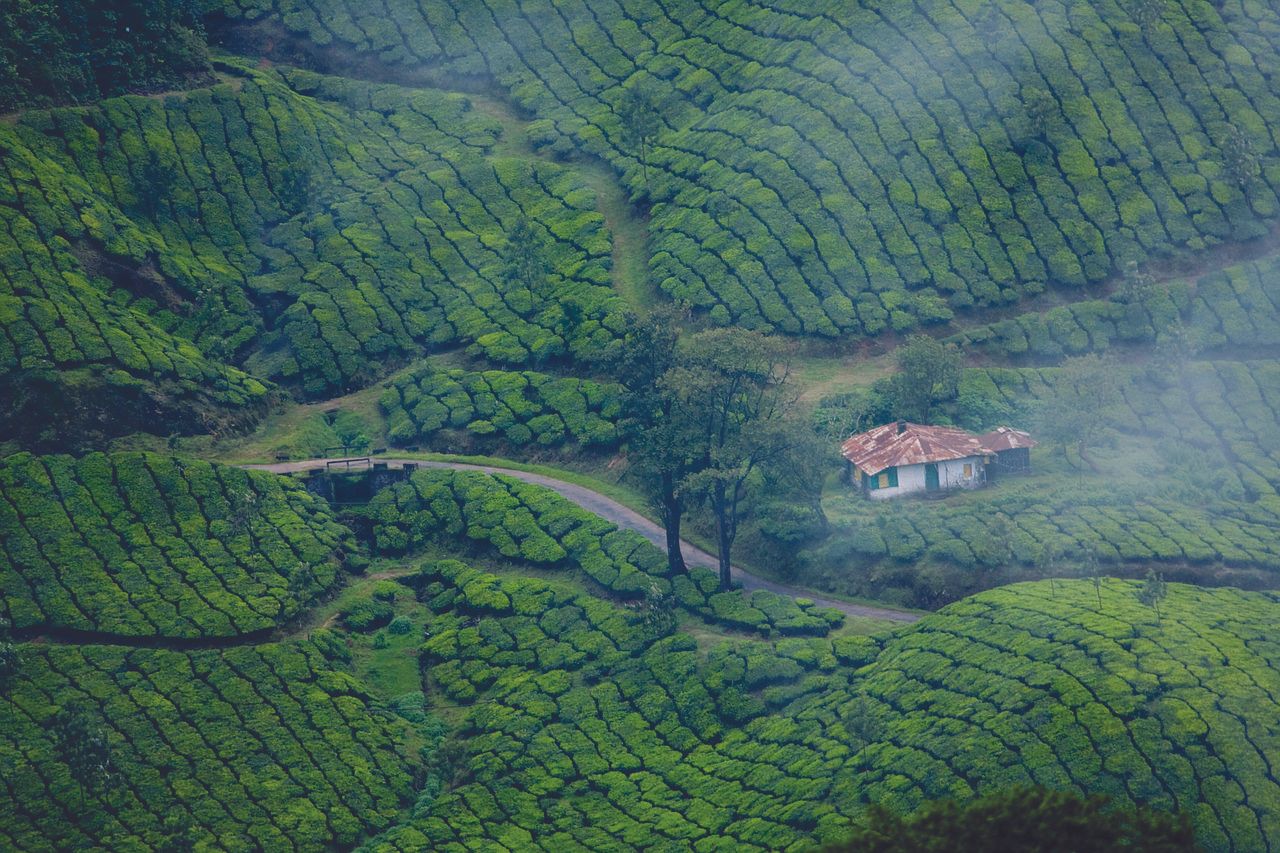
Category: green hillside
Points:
column 262, row 747
column 145, row 545
column 584, row 735
column 824, row 168
column 311, row 230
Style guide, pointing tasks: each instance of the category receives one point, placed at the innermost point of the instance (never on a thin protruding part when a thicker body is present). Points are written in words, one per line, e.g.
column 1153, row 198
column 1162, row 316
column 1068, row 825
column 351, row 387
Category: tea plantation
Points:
column 308, row 229
column 829, row 167
column 260, row 747
column 144, row 545
column 586, row 735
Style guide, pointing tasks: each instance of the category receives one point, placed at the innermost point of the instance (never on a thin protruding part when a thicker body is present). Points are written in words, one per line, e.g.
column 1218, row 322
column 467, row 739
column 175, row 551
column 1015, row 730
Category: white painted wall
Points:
column 950, row 476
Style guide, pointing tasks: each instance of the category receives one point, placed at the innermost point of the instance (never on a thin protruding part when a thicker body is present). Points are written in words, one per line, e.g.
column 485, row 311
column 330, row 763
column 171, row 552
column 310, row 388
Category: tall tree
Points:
column 928, row 373
column 731, row 385
column 1239, row 159
column 659, row 433
column 1084, row 390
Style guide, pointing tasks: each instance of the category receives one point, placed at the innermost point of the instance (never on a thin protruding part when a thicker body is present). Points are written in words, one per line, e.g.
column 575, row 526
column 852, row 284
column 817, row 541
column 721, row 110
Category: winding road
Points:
column 624, row 517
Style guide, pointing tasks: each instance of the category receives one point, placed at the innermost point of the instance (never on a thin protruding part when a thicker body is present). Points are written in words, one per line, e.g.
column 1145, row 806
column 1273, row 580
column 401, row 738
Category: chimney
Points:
column 902, row 427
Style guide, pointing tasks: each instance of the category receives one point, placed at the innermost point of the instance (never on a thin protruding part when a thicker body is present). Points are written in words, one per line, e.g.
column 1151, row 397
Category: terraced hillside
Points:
column 583, row 734
column 836, row 167
column 263, row 747
column 312, row 231
column 149, row 546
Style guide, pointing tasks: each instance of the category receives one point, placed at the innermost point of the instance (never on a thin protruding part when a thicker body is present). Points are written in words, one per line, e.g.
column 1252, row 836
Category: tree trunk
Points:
column 725, row 543
column 672, row 512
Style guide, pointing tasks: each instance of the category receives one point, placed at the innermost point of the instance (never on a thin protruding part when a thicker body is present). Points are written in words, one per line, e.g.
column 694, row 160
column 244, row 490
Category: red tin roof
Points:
column 1006, row 438
column 902, row 443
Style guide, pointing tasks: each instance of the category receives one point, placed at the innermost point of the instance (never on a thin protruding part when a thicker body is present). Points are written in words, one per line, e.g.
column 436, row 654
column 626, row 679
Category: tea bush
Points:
column 523, row 408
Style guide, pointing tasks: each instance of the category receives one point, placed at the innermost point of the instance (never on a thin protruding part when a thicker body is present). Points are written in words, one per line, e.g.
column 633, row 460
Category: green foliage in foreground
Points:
column 583, row 733
column 833, row 167
column 1022, row 820
column 253, row 748
column 519, row 409
column 145, row 545
column 65, row 51
column 532, row 524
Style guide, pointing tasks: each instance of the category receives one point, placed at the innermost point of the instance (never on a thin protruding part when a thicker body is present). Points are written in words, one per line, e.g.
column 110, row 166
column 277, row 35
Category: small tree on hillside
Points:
column 1153, row 592
column 1239, row 159
column 641, row 119
column 1083, row 392
column 82, row 745
column 928, row 373
column 1148, row 14
column 1040, row 112
column 659, row 433
column 524, row 258
column 156, row 184
column 10, row 662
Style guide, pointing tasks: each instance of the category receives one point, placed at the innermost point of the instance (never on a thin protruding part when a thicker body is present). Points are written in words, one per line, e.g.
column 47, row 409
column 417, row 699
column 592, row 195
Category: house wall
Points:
column 950, row 476
column 910, row 479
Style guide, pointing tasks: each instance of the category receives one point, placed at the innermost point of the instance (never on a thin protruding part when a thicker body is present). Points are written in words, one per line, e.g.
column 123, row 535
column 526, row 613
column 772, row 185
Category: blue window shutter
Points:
column 893, row 477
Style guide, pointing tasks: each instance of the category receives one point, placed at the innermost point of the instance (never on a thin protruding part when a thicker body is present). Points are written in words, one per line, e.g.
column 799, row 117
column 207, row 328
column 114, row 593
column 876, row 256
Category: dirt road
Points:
column 624, row 517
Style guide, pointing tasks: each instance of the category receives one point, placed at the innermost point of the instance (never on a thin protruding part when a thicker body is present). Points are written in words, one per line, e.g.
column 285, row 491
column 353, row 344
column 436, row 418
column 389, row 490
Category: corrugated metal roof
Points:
column 886, row 447
column 1006, row 438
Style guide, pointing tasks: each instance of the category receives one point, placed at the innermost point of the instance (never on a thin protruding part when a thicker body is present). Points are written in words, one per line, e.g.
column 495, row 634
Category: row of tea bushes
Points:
column 136, row 544
column 519, row 408
column 1237, row 307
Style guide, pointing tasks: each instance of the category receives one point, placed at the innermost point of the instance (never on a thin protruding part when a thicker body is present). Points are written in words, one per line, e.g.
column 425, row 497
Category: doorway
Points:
column 930, row 477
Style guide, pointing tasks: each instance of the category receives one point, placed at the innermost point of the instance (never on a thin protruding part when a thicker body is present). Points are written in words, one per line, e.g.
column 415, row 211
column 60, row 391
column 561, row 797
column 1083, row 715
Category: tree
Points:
column 640, row 116
column 1137, row 285
column 1093, row 570
column 1154, row 590
column 1239, row 159
column 82, row 745
column 731, row 386
column 155, row 184
column 1084, row 390
column 659, row 433
column 928, row 373
column 1047, row 560
column 1022, row 818
column 658, row 612
column 10, row 661
column 524, row 258
column 1148, row 14
column 861, row 723
column 1174, row 349
column 1040, row 110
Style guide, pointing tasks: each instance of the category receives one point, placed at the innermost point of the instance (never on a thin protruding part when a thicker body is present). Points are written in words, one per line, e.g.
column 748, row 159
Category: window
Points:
column 882, row 482
column 968, row 470
column 886, row 479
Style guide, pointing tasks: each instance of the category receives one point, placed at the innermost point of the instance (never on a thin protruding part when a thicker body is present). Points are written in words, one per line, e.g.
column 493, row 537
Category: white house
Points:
column 901, row 458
